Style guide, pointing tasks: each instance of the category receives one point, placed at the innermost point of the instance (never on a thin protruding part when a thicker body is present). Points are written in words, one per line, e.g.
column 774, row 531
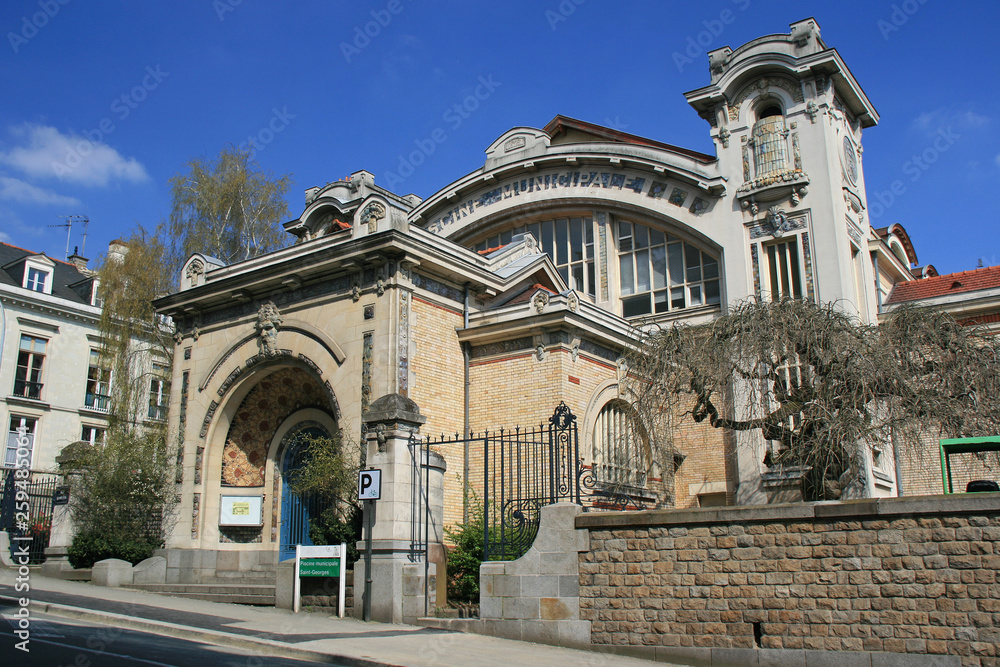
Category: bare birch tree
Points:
column 228, row 208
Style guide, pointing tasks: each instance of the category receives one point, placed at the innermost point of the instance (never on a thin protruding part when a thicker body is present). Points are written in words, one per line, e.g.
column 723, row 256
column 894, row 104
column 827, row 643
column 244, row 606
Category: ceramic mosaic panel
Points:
column 267, row 405
column 807, row 258
column 756, row 268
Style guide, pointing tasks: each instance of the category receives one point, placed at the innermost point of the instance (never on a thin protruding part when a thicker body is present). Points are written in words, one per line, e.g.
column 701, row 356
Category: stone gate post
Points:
column 397, row 583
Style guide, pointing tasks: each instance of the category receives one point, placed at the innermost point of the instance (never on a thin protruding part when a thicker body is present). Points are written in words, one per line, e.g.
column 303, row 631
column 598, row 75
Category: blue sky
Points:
column 104, row 101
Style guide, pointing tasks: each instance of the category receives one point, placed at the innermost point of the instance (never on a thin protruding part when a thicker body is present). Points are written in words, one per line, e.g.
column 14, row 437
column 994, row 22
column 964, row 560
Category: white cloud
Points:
column 931, row 121
column 998, row 159
column 14, row 189
column 45, row 152
column 5, row 237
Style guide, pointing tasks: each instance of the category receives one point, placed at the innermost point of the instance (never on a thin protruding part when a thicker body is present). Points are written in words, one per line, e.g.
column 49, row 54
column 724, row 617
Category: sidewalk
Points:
column 306, row 636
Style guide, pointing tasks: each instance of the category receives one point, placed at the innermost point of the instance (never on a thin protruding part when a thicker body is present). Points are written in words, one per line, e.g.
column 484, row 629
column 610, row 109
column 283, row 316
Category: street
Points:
column 60, row 642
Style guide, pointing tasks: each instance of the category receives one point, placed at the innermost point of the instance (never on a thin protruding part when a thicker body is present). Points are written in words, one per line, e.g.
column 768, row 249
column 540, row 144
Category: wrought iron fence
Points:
column 26, row 511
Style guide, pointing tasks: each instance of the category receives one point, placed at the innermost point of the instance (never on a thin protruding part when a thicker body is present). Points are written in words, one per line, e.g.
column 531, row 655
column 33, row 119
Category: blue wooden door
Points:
column 296, row 509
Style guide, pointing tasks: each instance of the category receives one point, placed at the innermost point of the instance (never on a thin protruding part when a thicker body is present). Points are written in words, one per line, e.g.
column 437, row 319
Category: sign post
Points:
column 369, row 490
column 321, row 561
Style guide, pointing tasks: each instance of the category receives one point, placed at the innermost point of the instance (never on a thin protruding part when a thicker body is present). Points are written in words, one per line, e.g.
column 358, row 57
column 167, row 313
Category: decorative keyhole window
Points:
column 770, row 147
column 620, row 459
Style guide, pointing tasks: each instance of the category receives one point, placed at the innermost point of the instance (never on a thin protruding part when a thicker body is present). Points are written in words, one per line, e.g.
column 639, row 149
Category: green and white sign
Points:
column 329, row 560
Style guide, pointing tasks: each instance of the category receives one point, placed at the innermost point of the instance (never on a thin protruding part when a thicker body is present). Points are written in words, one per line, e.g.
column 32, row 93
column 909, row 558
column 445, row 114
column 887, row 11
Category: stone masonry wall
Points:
column 901, row 575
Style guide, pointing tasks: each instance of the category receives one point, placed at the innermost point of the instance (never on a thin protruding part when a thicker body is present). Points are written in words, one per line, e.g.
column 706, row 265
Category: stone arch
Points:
column 257, row 417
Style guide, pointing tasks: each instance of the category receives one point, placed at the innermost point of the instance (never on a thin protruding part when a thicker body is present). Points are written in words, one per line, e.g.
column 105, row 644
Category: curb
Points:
column 270, row 647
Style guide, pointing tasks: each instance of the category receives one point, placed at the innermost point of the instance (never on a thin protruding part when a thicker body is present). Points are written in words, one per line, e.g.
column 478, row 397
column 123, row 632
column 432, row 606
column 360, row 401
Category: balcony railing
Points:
column 98, row 402
column 25, row 389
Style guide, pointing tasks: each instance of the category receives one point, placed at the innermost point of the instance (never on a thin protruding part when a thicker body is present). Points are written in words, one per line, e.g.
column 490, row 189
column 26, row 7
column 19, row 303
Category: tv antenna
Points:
column 70, row 219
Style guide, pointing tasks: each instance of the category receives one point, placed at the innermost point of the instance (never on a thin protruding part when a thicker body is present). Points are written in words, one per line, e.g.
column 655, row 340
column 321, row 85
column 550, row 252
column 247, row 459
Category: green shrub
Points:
column 88, row 548
column 466, row 556
column 329, row 528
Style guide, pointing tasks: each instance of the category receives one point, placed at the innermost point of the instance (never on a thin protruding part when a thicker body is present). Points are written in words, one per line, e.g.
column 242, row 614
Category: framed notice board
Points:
column 241, row 511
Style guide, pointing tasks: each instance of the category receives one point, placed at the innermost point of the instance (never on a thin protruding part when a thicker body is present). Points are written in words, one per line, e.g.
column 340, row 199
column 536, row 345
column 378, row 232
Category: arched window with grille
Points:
column 620, row 448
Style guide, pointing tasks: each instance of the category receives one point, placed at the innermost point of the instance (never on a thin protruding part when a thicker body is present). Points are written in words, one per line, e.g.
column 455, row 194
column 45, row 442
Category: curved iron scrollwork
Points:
column 516, row 528
column 562, row 418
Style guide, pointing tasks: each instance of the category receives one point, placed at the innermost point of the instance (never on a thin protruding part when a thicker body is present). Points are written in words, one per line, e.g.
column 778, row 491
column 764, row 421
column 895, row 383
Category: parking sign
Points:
column 369, row 484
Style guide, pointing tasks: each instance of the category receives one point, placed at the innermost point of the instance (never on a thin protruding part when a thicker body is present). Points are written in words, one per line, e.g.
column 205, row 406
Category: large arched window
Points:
column 620, row 448
column 659, row 273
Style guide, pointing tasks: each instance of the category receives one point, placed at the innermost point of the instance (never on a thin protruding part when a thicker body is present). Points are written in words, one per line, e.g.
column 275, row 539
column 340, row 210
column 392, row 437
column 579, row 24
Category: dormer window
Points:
column 38, row 272
column 37, row 279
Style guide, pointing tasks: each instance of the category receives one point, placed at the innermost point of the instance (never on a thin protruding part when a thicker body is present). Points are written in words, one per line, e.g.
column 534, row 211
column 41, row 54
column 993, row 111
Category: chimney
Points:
column 117, row 250
column 78, row 260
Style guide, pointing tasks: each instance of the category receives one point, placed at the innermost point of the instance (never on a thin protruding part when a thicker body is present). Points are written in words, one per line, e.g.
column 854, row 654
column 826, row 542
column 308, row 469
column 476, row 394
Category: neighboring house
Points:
column 516, row 286
column 52, row 382
column 973, row 298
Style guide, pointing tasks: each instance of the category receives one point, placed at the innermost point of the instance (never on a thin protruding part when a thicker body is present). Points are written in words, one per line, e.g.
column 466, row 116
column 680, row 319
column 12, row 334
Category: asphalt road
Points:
column 59, row 642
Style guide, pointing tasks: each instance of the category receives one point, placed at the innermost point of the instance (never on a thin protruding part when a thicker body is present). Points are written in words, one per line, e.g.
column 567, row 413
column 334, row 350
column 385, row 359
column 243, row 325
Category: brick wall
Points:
column 902, row 575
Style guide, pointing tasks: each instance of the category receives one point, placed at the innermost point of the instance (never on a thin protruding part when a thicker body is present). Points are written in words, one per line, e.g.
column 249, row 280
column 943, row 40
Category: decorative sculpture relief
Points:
column 268, row 321
column 778, row 221
column 540, row 300
column 812, row 110
column 573, row 302
column 356, row 291
column 540, row 352
column 761, row 85
column 724, row 135
column 371, row 215
column 194, row 270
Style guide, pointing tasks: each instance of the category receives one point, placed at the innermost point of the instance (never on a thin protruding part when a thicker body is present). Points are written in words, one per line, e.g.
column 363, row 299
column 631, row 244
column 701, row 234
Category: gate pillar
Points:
column 392, row 425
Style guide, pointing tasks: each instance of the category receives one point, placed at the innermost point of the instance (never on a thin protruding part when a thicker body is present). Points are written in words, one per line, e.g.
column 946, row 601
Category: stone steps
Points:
column 250, row 594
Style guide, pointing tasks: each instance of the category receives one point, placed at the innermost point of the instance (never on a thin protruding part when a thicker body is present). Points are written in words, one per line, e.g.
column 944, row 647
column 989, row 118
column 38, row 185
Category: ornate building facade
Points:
column 516, row 287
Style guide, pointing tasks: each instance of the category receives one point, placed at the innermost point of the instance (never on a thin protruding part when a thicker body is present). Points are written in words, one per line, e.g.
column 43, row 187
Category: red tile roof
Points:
column 949, row 283
column 528, row 294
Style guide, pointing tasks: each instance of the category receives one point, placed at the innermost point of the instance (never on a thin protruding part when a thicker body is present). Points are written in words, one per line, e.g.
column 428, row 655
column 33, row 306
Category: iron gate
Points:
column 30, row 524
column 522, row 471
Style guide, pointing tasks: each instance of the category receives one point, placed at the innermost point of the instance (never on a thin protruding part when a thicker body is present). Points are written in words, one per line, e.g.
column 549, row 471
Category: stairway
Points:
column 252, row 594
column 252, row 587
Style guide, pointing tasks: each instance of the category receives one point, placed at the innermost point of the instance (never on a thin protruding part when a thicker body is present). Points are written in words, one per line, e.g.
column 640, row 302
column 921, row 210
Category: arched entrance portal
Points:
column 297, row 509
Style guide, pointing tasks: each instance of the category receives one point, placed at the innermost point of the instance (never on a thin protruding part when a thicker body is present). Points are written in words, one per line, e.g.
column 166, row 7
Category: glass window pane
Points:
column 793, row 263
column 695, row 292
column 591, row 282
column 547, row 240
column 677, row 297
column 562, row 240
column 624, row 236
column 638, row 305
column 642, row 271
column 577, row 282
column 659, row 257
column 576, row 239
column 661, row 302
column 641, row 236
column 505, row 237
column 711, row 267
column 655, row 237
column 693, row 257
column 625, row 273
column 712, row 292
column 675, row 262
column 564, row 272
